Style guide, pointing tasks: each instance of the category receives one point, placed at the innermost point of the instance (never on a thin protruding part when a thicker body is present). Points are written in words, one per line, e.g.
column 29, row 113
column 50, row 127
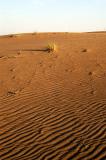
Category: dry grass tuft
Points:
column 51, row 47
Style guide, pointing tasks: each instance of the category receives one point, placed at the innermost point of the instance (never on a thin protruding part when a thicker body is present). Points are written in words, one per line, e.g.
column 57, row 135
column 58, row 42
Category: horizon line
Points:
column 50, row 32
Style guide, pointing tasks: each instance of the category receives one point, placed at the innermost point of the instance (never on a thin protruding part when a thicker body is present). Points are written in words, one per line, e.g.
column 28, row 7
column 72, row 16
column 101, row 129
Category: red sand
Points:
column 53, row 105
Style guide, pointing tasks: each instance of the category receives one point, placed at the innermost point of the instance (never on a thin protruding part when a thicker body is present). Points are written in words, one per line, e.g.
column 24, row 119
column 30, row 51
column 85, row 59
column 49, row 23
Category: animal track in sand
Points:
column 19, row 52
column 90, row 73
column 98, row 72
column 68, row 70
column 1, row 57
column 11, row 93
column 12, row 69
column 40, row 64
column 84, row 50
column 50, row 66
column 93, row 92
column 13, row 77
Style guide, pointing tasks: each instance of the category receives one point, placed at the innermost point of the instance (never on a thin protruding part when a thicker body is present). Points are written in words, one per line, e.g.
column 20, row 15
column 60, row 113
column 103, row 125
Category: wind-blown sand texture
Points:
column 53, row 105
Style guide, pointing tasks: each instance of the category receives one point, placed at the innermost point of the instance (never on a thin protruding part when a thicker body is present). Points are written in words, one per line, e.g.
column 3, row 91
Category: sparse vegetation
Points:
column 11, row 35
column 34, row 33
column 14, row 35
column 51, row 47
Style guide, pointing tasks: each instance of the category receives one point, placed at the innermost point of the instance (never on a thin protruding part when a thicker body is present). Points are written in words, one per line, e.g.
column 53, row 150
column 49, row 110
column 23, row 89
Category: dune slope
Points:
column 53, row 105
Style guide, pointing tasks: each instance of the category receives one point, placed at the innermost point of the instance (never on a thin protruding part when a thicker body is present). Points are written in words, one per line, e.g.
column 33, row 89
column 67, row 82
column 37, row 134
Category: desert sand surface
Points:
column 53, row 105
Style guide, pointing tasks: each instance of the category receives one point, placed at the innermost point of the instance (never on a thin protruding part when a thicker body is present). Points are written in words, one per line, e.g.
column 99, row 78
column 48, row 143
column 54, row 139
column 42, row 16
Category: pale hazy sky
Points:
column 52, row 15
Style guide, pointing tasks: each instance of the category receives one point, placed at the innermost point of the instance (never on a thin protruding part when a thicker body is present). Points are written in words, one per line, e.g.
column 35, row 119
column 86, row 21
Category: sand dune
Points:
column 53, row 105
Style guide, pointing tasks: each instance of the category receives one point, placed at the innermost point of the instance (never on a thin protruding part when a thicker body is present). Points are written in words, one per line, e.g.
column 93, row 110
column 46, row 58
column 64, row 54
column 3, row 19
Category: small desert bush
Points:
column 51, row 47
column 11, row 35
column 34, row 33
column 14, row 35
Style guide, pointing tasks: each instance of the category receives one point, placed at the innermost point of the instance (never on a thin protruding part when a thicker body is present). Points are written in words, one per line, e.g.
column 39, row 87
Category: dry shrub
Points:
column 51, row 47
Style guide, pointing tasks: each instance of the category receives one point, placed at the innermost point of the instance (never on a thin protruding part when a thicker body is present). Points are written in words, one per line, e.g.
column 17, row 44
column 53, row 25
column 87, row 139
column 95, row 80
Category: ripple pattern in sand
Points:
column 52, row 125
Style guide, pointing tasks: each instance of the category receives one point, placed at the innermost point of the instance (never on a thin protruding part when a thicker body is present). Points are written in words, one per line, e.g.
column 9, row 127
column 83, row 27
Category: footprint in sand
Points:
column 41, row 64
column 11, row 93
column 84, row 50
column 19, row 52
column 98, row 72
column 68, row 70
column 1, row 57
column 13, row 77
column 93, row 92
column 12, row 69
column 50, row 66
column 90, row 73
